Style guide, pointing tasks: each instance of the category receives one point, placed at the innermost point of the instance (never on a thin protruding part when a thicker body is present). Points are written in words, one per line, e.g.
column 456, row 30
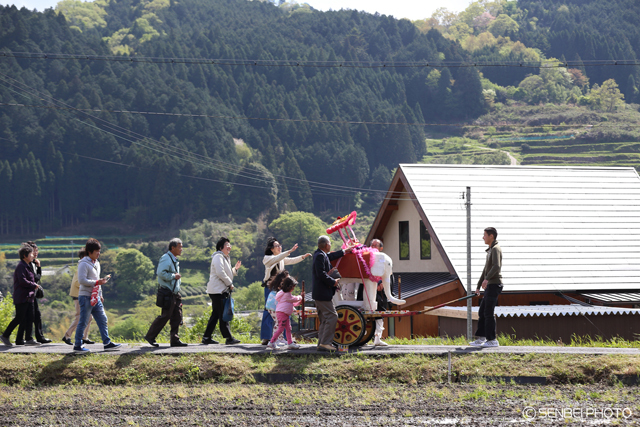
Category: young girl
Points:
column 274, row 286
column 286, row 302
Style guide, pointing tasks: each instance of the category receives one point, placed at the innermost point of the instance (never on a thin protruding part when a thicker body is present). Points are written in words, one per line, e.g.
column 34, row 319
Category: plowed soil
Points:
column 319, row 405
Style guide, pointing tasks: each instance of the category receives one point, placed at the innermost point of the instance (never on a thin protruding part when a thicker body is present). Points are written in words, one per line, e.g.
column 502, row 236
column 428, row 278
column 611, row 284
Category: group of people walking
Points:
column 86, row 292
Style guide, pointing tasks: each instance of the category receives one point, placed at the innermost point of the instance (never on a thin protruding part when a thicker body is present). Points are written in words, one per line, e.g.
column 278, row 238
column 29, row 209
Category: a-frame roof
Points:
column 560, row 228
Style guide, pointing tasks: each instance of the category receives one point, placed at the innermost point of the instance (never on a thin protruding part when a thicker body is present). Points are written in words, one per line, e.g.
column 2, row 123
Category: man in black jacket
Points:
column 324, row 287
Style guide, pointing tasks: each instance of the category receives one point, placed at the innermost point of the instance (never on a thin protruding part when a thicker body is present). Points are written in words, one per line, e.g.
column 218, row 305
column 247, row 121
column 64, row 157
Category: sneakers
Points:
column 81, row 350
column 207, row 341
column 492, row 343
column 112, row 347
column 272, row 346
column 5, row 341
column 67, row 341
column 280, row 342
column 293, row 346
column 478, row 342
column 32, row 343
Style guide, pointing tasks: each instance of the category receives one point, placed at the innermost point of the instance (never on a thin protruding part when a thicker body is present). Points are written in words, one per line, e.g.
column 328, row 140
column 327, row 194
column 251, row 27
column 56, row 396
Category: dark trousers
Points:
column 217, row 307
column 23, row 321
column 37, row 322
column 173, row 315
column 486, row 319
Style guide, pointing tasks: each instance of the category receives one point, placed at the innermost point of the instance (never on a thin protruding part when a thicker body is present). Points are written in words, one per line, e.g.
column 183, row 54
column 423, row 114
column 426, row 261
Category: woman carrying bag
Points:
column 219, row 288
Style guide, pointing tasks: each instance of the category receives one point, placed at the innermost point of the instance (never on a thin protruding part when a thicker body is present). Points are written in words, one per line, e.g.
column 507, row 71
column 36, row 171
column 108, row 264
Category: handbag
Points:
column 163, row 297
column 271, row 302
column 227, row 312
column 39, row 293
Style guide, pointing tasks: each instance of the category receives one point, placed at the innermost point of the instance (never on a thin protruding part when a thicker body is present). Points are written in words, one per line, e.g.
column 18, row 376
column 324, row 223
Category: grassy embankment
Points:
column 36, row 370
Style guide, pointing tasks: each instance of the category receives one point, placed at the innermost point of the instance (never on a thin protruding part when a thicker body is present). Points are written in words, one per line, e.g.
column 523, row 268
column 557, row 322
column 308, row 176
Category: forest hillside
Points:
column 160, row 113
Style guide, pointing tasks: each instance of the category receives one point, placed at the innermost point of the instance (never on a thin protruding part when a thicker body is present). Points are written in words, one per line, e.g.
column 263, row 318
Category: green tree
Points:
column 134, row 273
column 607, row 97
column 304, row 229
column 503, row 25
column 250, row 297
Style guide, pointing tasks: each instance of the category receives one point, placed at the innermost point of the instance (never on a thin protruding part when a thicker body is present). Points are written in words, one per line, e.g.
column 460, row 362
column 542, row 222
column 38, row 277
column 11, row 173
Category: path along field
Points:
column 227, row 387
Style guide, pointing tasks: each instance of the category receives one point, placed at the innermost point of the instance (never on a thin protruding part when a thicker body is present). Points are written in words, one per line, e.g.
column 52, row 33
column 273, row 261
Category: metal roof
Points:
column 560, row 228
column 615, row 298
column 415, row 283
column 552, row 310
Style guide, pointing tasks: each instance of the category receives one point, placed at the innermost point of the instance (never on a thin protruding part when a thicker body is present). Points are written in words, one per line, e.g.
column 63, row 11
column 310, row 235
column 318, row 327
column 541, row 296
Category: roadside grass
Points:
column 36, row 370
column 509, row 340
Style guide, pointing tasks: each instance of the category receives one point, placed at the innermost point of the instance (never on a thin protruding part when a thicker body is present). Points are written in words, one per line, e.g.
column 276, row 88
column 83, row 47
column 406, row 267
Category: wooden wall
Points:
column 552, row 327
column 428, row 326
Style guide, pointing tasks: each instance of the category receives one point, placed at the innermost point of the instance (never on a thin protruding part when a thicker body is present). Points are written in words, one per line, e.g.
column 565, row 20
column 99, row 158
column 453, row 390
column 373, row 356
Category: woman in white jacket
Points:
column 219, row 288
column 274, row 261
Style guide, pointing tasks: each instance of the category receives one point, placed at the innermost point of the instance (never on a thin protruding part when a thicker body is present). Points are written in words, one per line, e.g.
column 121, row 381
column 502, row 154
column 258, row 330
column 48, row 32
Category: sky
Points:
column 412, row 9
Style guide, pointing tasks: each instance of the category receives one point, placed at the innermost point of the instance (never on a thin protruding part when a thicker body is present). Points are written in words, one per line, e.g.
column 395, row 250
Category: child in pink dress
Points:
column 284, row 309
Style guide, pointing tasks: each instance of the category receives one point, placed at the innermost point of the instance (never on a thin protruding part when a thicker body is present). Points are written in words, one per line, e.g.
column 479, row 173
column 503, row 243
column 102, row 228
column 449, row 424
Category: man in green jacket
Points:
column 169, row 283
column 491, row 282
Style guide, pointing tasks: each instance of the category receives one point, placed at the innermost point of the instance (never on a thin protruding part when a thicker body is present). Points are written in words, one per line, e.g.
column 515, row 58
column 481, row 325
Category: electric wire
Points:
column 204, row 161
column 321, row 64
column 314, row 187
column 347, row 122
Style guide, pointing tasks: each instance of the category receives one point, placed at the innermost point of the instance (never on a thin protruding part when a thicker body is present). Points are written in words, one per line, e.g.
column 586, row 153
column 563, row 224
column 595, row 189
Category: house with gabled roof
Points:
column 568, row 235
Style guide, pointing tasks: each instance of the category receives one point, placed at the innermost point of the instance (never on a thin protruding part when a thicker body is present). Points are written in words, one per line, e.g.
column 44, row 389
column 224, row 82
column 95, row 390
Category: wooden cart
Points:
column 356, row 326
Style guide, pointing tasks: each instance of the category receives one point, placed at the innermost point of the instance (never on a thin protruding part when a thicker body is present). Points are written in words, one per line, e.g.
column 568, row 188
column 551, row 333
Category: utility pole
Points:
column 469, row 291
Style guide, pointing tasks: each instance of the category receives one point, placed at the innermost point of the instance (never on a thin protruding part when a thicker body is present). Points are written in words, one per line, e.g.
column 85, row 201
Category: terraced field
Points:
column 562, row 135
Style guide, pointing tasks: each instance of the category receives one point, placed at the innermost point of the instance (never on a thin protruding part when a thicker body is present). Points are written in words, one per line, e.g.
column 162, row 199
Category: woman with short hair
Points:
column 24, row 293
column 219, row 288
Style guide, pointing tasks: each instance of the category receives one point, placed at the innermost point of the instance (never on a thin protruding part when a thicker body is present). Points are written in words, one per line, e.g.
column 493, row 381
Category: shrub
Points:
column 130, row 329
column 6, row 312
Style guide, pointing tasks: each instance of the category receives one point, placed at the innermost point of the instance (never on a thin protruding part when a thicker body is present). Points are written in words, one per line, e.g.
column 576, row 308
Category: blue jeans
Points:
column 266, row 329
column 99, row 315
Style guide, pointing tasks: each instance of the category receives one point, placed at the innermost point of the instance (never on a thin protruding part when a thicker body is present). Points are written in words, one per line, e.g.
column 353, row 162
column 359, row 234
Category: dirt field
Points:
column 364, row 404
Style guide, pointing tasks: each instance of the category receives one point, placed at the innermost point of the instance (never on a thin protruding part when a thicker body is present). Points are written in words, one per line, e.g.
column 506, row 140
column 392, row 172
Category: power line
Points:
column 314, row 187
column 203, row 178
column 347, row 122
column 322, row 64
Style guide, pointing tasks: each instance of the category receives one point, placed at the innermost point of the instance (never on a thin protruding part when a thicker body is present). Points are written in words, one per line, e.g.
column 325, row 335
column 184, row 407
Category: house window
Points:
column 425, row 242
column 403, row 227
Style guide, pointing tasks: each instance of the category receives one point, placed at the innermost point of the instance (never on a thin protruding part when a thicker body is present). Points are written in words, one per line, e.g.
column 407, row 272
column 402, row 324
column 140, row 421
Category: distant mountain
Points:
column 62, row 165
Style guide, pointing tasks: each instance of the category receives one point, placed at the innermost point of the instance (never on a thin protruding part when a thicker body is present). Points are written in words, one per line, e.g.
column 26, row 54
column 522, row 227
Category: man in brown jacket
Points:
column 491, row 282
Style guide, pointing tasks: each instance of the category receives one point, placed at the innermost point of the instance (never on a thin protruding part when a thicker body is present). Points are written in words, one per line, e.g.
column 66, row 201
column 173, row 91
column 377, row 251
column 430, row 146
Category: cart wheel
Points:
column 369, row 331
column 350, row 327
